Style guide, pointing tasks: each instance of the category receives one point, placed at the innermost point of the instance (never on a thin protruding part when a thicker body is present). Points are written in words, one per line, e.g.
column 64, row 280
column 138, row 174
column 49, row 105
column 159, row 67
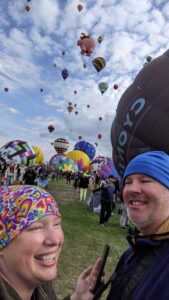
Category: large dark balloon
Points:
column 142, row 119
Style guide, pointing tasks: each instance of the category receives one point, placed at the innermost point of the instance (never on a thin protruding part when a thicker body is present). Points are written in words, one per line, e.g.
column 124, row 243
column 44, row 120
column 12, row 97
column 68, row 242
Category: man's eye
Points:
column 128, row 182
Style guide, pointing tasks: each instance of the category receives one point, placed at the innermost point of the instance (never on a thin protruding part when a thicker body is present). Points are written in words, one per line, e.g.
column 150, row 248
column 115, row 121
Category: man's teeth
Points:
column 134, row 202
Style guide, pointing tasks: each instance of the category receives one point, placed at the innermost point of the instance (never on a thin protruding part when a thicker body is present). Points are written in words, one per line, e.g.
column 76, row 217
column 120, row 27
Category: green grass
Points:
column 84, row 241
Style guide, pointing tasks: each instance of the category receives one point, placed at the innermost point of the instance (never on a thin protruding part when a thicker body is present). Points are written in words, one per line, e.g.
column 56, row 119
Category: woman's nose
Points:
column 54, row 237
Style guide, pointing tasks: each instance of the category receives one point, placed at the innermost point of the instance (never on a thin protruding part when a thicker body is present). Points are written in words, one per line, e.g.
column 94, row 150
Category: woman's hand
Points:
column 85, row 283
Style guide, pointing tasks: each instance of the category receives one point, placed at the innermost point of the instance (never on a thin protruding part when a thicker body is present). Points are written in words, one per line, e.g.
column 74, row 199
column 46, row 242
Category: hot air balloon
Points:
column 100, row 39
column 55, row 65
column 86, row 147
column 51, row 128
column 87, row 44
column 99, row 136
column 61, row 145
column 107, row 168
column 99, row 63
column 96, row 144
column 61, row 162
column 149, row 58
column 41, row 90
column 80, row 137
column 65, row 73
column 75, row 92
column 27, row 8
column 115, row 86
column 81, row 159
column 142, row 118
column 103, row 86
column 70, row 108
column 84, row 65
column 96, row 163
column 63, row 52
column 6, row 89
column 76, row 112
column 39, row 156
column 88, row 106
column 100, row 118
column 79, row 7
column 17, row 152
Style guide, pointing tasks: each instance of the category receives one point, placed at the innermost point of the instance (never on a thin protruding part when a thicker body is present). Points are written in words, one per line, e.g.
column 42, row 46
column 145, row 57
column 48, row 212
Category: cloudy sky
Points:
column 32, row 43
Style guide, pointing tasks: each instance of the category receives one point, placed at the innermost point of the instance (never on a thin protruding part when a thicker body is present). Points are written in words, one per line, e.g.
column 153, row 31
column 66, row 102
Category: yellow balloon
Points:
column 39, row 156
column 81, row 158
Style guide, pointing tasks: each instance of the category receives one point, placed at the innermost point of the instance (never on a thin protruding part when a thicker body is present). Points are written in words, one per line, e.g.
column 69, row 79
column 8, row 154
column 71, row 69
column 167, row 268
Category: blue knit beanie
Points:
column 154, row 164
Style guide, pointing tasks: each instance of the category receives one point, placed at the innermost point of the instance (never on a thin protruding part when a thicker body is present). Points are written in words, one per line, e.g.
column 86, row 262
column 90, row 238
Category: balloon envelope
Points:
column 61, row 162
column 17, row 152
column 39, row 156
column 103, row 86
column 81, row 159
column 107, row 168
column 99, row 63
column 61, row 145
column 142, row 119
column 86, row 147
column 96, row 163
column 65, row 73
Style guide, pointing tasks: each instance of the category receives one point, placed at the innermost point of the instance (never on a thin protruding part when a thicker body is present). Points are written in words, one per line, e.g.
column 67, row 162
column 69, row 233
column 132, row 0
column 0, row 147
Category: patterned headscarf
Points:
column 20, row 206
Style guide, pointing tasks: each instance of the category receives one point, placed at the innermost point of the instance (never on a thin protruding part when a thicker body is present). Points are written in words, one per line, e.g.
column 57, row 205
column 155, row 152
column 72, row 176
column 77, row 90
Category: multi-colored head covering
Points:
column 20, row 206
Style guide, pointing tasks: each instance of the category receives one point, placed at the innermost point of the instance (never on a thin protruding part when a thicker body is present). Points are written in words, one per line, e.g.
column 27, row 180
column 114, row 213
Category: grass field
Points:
column 84, row 238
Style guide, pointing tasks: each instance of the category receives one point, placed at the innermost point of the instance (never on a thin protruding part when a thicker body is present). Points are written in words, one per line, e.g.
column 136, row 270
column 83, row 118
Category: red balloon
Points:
column 99, row 136
column 115, row 86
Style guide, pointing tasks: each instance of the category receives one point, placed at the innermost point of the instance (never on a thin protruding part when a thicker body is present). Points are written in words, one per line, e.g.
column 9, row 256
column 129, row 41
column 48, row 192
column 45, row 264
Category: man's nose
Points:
column 134, row 187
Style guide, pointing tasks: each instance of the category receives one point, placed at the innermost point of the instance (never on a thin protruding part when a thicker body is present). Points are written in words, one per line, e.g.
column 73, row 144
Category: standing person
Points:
column 107, row 199
column 31, row 245
column 83, row 186
column 68, row 178
column 143, row 270
column 9, row 174
column 29, row 176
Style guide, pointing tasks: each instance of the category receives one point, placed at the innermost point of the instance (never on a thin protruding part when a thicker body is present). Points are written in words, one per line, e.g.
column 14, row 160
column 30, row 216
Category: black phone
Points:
column 100, row 271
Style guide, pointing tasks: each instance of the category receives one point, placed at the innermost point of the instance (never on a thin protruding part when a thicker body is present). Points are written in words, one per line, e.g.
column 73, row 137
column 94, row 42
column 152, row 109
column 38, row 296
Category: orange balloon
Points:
column 27, row 8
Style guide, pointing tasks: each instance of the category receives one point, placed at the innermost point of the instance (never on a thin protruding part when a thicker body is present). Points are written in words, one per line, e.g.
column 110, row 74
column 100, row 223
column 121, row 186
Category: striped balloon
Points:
column 99, row 63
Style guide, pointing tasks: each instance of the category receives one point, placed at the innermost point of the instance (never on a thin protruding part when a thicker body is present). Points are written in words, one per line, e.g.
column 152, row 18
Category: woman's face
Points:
column 33, row 255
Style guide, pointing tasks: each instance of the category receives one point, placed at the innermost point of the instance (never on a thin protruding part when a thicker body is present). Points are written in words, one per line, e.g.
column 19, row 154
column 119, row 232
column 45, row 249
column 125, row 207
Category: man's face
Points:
column 147, row 202
column 33, row 255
